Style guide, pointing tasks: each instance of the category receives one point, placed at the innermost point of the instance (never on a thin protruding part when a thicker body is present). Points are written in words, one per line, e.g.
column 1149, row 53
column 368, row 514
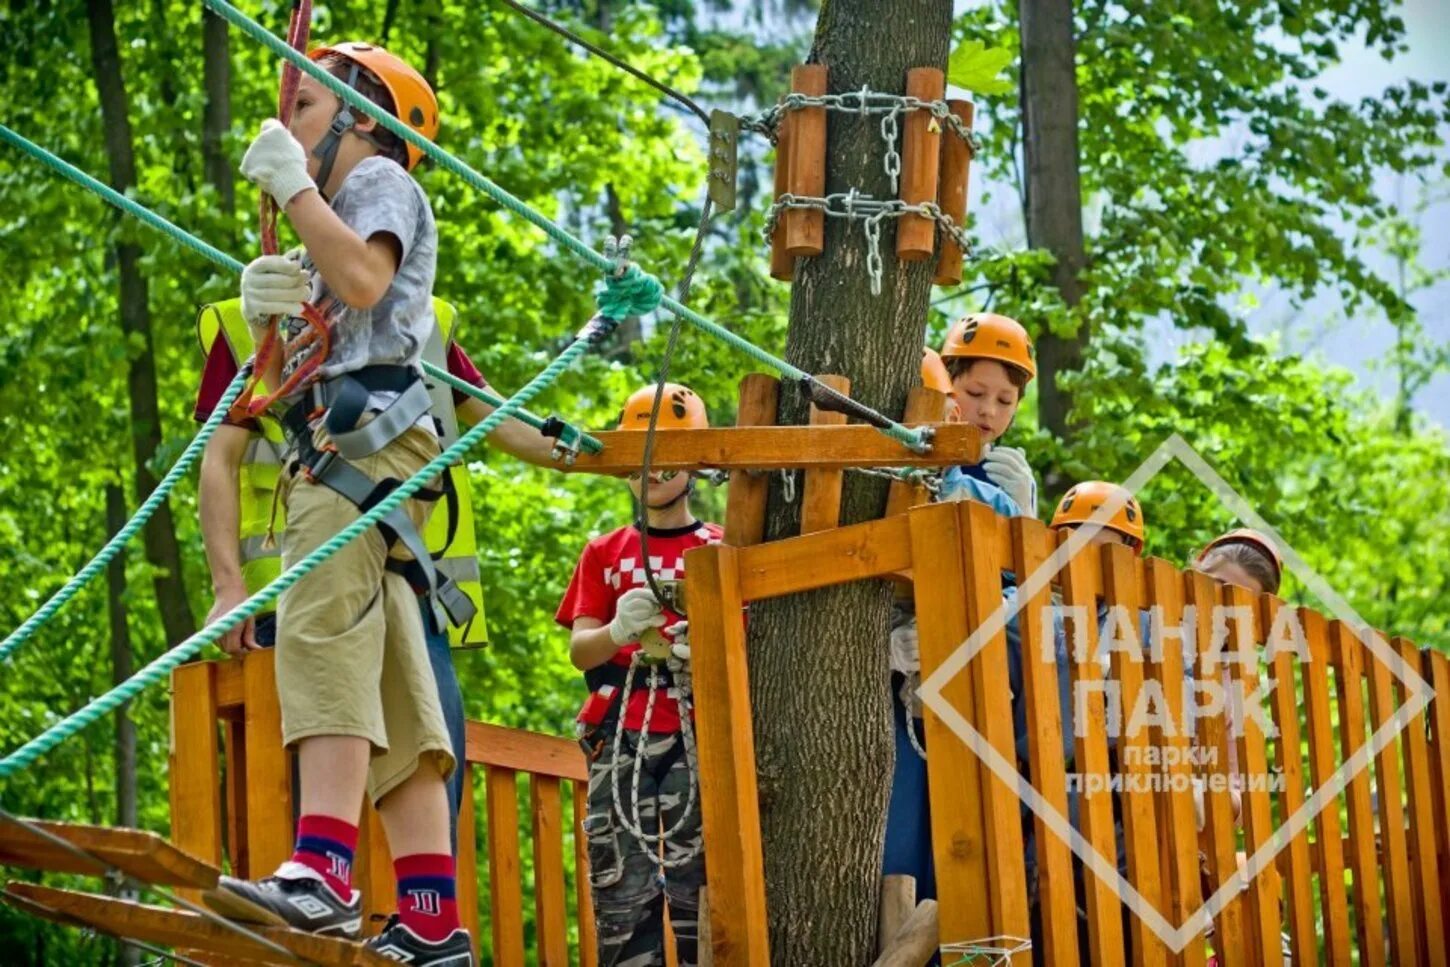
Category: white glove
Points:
column 637, row 610
column 273, row 285
column 679, row 633
column 905, row 650
column 276, row 163
column 1007, row 468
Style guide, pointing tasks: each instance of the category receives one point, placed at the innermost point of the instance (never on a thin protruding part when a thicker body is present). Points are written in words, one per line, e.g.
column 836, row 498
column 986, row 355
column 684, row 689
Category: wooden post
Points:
column 729, row 806
column 821, row 495
column 1422, row 822
column 506, row 900
column 195, row 781
column 588, row 941
column 1329, row 845
column 952, row 195
column 268, row 767
column 782, row 263
column 805, row 229
column 917, row 940
column 551, row 926
column 466, row 850
column 745, row 504
column 898, row 903
column 374, row 873
column 922, row 406
column 1394, row 851
column 1436, row 670
column 920, row 165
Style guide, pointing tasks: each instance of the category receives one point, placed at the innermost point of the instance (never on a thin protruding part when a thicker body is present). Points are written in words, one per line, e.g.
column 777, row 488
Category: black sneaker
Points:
column 397, row 942
column 295, row 896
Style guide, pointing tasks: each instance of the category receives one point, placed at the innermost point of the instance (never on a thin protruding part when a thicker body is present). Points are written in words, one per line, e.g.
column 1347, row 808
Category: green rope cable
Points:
column 915, row 439
column 132, row 527
column 588, row 444
column 30, row 752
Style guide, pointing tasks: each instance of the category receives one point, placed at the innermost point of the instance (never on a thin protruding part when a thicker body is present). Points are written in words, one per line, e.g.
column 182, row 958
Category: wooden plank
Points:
column 745, row 500
column 821, row 495
column 1177, row 823
column 1348, row 661
column 1031, row 544
column 466, row 852
column 145, row 856
column 1328, row 845
column 374, row 874
column 873, row 549
column 1081, row 581
column 551, row 920
column 234, row 751
column 195, row 773
column 983, row 558
column 805, row 228
column 506, row 898
column 1123, row 594
column 1426, row 886
column 920, row 165
column 230, row 688
column 725, row 745
column 165, row 927
column 1256, row 813
column 1394, row 853
column 524, row 751
column 1437, row 672
column 953, row 780
column 268, row 768
column 588, row 942
column 922, row 406
column 778, row 447
column 1212, row 733
column 1298, row 867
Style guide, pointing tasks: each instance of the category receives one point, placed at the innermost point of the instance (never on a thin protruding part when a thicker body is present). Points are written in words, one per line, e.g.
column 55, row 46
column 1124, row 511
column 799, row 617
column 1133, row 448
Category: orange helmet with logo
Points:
column 1084, row 500
column 1251, row 537
column 413, row 100
column 986, row 335
column 680, row 409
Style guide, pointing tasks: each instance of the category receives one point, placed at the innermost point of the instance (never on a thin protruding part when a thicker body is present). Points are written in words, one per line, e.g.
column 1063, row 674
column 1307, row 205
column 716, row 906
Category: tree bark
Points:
column 160, row 534
column 818, row 666
column 121, row 667
column 216, row 117
column 1053, row 194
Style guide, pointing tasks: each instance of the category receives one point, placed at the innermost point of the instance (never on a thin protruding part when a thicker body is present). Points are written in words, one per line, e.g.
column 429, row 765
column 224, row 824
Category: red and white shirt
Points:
column 613, row 564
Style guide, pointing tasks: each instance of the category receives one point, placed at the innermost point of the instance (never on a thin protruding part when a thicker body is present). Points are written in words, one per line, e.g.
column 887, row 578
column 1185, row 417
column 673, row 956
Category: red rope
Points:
column 318, row 332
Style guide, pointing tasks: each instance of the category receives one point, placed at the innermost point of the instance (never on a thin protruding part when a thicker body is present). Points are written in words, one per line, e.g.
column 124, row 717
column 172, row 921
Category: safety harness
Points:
column 343, row 402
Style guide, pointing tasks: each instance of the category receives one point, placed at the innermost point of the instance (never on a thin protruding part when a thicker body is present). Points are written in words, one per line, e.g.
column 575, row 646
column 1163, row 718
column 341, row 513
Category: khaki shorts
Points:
column 351, row 656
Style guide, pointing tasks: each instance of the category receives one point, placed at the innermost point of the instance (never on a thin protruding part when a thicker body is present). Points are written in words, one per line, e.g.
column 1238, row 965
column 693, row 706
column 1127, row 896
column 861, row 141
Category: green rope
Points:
column 587, row 443
column 915, row 439
column 28, row 754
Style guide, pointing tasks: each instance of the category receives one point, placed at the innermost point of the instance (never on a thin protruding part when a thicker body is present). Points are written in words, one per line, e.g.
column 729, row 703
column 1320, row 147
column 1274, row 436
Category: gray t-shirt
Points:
column 379, row 196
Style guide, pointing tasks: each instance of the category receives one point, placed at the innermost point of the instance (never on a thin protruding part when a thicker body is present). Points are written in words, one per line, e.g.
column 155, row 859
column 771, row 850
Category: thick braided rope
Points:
column 33, row 624
column 915, row 439
column 160, row 668
column 132, row 527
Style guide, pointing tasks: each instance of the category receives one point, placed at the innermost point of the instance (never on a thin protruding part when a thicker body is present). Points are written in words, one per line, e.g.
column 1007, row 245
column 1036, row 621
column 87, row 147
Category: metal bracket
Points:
column 724, row 159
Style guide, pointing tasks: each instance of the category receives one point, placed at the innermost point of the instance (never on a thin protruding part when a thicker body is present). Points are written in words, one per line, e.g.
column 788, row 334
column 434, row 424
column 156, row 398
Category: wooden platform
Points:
column 190, row 932
column 141, row 855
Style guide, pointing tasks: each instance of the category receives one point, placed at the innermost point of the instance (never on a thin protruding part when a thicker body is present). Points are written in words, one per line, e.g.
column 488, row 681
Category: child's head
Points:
column 680, row 409
column 1079, row 504
column 1244, row 558
column 934, row 376
column 335, row 136
column 990, row 361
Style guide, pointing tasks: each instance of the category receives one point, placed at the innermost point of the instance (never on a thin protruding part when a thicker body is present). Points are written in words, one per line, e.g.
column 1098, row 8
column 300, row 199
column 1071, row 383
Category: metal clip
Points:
column 787, row 484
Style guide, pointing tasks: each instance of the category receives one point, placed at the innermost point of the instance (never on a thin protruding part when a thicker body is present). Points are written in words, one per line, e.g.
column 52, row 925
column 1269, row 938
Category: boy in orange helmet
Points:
column 358, row 695
column 626, row 641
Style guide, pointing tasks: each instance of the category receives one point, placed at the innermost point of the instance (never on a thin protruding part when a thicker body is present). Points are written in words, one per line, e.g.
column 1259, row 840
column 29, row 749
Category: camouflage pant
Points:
column 629, row 885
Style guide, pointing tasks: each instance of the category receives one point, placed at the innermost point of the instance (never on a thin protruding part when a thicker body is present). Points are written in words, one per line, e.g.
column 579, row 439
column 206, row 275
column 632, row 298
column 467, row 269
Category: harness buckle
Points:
column 317, row 469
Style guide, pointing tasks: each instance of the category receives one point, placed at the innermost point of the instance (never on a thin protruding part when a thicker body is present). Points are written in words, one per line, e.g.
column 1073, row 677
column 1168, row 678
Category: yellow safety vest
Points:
column 263, row 462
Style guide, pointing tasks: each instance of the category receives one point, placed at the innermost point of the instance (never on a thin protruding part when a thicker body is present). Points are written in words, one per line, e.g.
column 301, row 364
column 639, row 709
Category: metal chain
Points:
column 914, row 476
column 862, row 103
column 854, row 206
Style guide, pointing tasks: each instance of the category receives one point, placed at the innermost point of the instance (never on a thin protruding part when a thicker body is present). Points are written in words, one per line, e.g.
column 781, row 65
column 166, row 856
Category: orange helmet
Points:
column 934, row 373
column 1086, row 498
column 1256, row 540
column 986, row 335
column 413, row 101
column 680, row 409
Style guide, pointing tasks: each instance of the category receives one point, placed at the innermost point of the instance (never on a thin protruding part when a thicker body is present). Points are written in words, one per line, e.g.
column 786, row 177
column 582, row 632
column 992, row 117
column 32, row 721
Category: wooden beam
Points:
column 821, row 495
column 544, row 755
column 729, row 805
column 745, row 500
column 873, row 549
column 778, row 447
column 916, row 942
column 267, row 769
column 139, row 854
column 922, row 406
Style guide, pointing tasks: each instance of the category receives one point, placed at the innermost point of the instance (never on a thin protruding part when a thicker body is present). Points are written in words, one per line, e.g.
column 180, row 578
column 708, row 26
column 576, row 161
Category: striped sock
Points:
column 326, row 844
column 427, row 900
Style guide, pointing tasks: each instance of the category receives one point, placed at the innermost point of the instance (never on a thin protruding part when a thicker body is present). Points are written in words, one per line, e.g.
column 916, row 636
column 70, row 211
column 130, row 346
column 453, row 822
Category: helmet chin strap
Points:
column 342, row 122
column 682, row 495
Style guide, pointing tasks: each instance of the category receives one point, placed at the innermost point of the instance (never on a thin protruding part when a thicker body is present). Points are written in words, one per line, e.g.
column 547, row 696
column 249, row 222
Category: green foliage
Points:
column 975, row 67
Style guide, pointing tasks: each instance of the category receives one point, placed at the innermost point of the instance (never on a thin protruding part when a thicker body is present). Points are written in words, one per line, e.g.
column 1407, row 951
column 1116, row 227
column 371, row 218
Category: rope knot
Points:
column 633, row 292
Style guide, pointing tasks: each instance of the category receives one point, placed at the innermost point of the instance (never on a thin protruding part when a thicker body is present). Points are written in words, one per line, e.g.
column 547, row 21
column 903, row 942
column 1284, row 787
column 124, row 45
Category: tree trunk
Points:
column 121, row 668
column 818, row 661
column 160, row 535
column 216, row 117
column 1053, row 196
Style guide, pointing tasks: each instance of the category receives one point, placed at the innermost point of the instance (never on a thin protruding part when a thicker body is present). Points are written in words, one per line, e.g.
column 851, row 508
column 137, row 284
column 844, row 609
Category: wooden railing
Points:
column 1324, row 710
column 232, row 803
